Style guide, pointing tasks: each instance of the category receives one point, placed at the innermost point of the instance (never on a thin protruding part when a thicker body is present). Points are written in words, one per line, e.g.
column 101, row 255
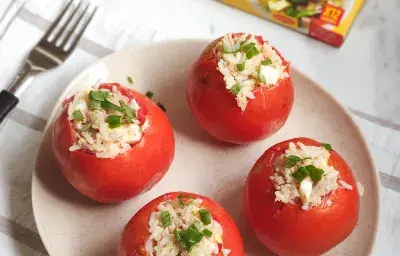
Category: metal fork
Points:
column 50, row 52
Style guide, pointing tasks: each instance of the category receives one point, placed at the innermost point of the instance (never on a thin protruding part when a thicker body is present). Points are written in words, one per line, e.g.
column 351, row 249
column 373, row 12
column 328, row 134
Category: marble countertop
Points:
column 363, row 75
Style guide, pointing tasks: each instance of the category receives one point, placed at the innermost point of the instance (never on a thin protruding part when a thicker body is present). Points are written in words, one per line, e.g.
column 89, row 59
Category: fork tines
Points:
column 70, row 24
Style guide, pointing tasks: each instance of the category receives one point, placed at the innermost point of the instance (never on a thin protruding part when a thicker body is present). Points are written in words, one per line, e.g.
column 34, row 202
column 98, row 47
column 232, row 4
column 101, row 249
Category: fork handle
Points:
column 7, row 102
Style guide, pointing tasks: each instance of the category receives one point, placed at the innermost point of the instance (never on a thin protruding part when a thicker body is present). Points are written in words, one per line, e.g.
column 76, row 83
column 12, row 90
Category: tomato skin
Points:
column 136, row 232
column 286, row 229
column 216, row 110
column 127, row 175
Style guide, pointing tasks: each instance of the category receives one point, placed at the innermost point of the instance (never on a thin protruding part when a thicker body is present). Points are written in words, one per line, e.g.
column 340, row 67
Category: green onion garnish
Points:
column 300, row 174
column 245, row 47
column 241, row 66
column 205, row 216
column 149, row 94
column 266, row 62
column 252, row 51
column 193, row 235
column 181, row 196
column 98, row 95
column 198, row 225
column 207, row 232
column 130, row 114
column 235, row 89
column 110, row 106
column 315, row 173
column 166, row 219
column 78, row 116
column 291, row 161
column 176, row 235
column 161, row 106
column 130, row 80
column 327, row 146
column 114, row 121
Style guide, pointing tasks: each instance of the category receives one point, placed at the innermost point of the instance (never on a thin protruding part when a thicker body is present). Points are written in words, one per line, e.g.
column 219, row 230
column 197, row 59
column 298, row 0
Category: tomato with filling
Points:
column 216, row 110
column 136, row 232
column 286, row 229
column 127, row 175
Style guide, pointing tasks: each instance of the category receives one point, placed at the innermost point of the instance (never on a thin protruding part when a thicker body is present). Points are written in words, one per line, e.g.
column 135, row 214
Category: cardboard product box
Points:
column 325, row 20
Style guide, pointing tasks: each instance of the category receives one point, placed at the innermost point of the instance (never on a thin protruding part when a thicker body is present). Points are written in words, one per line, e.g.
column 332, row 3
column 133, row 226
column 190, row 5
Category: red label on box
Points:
column 317, row 31
column 332, row 14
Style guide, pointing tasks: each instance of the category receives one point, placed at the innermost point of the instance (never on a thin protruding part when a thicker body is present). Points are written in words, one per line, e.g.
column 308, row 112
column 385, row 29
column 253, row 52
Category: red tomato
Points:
column 286, row 229
column 109, row 180
column 136, row 232
column 216, row 109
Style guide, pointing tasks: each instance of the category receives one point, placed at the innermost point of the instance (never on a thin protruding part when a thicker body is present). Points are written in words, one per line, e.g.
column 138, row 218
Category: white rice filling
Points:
column 310, row 193
column 100, row 139
column 162, row 241
column 244, row 82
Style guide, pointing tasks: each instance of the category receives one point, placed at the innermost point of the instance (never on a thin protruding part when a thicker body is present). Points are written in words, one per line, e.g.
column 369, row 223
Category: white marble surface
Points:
column 363, row 74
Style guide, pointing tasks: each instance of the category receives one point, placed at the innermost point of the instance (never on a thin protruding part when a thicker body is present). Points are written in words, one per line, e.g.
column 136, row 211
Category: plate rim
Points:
column 347, row 114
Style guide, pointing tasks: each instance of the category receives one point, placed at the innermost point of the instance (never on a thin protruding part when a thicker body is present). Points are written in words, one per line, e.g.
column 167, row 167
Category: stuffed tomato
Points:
column 181, row 223
column 112, row 143
column 301, row 198
column 240, row 89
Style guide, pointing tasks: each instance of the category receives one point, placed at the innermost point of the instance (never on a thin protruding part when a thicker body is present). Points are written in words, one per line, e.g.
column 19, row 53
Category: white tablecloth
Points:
column 364, row 74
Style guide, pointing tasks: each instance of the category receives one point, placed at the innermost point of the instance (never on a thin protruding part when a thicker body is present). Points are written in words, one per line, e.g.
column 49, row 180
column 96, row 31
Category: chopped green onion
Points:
column 231, row 48
column 207, row 232
column 176, row 235
column 235, row 89
column 245, row 47
column 161, row 106
column 78, row 116
column 291, row 161
column 315, row 173
column 241, row 66
column 129, row 112
column 98, row 95
column 205, row 216
column 95, row 104
column 193, row 235
column 114, row 121
column 130, row 80
column 252, row 51
column 149, row 94
column 300, row 174
column 110, row 106
column 166, row 219
column 198, row 225
column 267, row 62
column 326, row 146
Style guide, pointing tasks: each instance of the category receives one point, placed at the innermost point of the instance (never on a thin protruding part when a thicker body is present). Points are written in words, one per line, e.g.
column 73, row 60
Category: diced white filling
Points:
column 310, row 193
column 94, row 133
column 162, row 241
column 242, row 82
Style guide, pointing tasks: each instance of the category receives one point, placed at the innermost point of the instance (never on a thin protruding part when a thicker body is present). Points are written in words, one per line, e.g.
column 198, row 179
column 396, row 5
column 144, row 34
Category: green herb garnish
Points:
column 241, row 66
column 181, row 196
column 207, row 232
column 327, row 146
column 235, row 89
column 78, row 116
column 315, row 173
column 205, row 216
column 252, row 51
column 130, row 80
column 300, row 174
column 266, row 62
column 245, row 47
column 98, row 95
column 149, row 94
column 161, row 106
column 110, row 106
column 130, row 114
column 176, row 235
column 291, row 161
column 114, row 121
column 166, row 219
column 198, row 225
